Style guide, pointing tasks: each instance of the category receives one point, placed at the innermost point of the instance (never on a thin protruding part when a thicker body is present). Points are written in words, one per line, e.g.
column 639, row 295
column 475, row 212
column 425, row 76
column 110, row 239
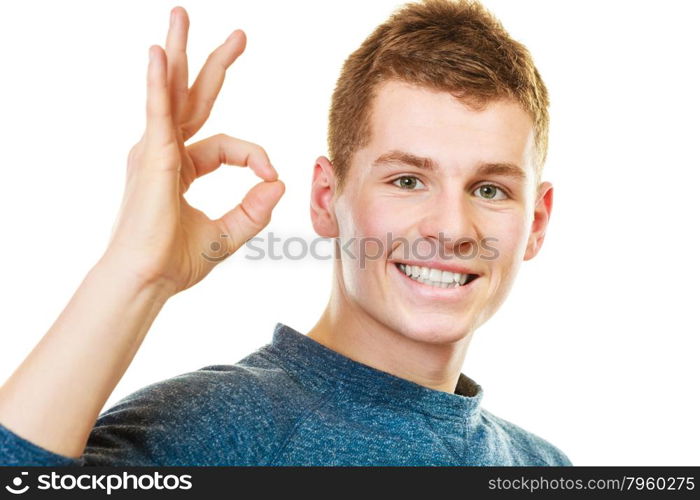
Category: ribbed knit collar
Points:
column 318, row 366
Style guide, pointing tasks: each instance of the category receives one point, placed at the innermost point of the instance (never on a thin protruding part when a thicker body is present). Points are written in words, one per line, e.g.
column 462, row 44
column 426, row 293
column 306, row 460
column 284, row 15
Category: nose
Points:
column 450, row 224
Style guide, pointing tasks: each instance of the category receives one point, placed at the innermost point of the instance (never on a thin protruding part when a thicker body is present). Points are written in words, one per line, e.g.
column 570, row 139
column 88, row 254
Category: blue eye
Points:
column 407, row 182
column 489, row 192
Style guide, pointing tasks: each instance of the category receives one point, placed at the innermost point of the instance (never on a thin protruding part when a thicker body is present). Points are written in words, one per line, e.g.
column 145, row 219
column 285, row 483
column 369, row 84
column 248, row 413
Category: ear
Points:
column 543, row 210
column 322, row 193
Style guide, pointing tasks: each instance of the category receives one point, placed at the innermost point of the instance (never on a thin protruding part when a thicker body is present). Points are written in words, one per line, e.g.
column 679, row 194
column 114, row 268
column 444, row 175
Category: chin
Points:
column 437, row 331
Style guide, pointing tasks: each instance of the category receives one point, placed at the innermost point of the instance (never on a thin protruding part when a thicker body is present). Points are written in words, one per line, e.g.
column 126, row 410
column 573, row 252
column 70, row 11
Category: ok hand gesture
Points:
column 158, row 236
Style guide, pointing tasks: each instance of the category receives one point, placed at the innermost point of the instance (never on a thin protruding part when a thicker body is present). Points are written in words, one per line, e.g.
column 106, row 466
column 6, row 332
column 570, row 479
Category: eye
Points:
column 490, row 192
column 407, row 182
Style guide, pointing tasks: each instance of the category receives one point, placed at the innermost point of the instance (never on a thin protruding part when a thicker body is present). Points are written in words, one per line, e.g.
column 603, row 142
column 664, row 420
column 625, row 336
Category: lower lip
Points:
column 433, row 292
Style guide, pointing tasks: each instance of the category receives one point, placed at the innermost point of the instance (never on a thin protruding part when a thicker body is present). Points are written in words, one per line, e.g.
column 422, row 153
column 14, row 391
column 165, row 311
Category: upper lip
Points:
column 455, row 267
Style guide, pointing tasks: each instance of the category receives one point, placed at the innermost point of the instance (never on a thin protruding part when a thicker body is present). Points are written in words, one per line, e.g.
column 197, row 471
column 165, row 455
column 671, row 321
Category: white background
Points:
column 596, row 349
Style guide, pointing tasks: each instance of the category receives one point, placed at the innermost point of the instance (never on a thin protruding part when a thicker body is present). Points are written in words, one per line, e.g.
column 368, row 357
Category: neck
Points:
column 351, row 332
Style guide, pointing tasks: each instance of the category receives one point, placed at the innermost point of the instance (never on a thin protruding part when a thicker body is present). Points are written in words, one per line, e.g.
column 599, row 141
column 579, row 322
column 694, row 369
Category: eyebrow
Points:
column 506, row 169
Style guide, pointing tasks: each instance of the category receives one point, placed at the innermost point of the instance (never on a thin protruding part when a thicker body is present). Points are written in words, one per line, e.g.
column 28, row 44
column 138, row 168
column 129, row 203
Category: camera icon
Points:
column 216, row 247
column 17, row 483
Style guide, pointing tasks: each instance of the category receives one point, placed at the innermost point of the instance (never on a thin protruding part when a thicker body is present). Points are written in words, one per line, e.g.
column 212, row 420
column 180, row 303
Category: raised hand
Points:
column 158, row 236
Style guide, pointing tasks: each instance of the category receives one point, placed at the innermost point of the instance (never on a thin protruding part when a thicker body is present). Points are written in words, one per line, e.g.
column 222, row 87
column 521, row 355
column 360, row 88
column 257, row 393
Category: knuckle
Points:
column 256, row 222
column 158, row 113
column 213, row 58
column 216, row 59
column 134, row 155
column 161, row 151
column 256, row 149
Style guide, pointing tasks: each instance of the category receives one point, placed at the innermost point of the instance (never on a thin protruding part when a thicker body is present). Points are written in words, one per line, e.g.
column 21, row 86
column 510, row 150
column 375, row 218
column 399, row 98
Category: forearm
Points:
column 54, row 397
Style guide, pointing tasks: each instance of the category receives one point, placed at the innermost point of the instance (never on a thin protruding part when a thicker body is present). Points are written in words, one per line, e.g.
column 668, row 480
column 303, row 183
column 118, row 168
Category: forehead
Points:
column 435, row 124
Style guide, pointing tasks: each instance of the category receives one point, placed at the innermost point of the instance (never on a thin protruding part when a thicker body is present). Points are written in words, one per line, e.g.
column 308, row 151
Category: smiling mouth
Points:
column 436, row 277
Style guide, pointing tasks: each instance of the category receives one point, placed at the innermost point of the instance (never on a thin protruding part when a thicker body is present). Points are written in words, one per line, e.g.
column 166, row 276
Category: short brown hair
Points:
column 455, row 46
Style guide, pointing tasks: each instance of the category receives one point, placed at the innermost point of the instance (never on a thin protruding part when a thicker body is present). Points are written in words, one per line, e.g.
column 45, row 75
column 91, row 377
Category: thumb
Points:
column 253, row 213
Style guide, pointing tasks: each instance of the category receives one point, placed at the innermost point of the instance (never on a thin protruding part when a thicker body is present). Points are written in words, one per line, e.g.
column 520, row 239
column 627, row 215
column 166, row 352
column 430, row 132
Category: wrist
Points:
column 119, row 270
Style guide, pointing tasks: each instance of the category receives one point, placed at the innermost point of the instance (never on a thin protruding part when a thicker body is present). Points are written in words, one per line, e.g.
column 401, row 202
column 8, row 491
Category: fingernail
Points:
column 231, row 35
column 172, row 17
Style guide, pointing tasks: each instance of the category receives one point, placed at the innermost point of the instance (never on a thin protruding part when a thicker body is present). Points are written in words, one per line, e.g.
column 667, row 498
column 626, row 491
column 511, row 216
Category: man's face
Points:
column 455, row 215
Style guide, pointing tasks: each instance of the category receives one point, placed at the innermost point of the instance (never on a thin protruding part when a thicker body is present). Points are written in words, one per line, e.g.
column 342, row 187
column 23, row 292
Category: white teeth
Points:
column 434, row 277
column 447, row 277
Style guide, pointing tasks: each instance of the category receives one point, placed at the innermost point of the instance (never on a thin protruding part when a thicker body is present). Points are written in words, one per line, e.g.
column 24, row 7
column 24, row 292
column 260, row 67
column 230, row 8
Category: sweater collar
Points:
column 318, row 367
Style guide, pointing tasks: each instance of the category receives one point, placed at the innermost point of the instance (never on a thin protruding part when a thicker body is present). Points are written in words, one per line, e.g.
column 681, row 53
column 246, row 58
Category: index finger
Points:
column 209, row 154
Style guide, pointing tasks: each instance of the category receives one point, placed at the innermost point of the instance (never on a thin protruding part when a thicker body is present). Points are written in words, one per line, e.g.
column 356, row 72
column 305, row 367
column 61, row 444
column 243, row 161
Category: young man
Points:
column 437, row 138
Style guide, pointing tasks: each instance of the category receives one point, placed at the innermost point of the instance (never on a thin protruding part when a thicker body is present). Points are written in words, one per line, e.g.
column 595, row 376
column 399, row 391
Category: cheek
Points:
column 382, row 217
column 369, row 227
column 510, row 235
column 376, row 218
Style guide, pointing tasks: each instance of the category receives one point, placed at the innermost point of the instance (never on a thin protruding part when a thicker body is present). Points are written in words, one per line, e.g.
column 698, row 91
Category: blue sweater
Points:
column 296, row 402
